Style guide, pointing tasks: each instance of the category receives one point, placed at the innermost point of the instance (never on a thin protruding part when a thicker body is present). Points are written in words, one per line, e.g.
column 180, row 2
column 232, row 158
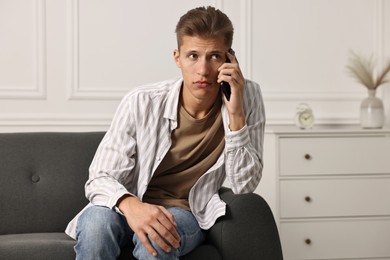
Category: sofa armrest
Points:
column 248, row 230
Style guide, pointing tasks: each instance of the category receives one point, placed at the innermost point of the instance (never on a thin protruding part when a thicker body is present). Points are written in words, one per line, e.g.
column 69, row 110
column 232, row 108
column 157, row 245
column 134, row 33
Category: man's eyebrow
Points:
column 189, row 51
column 217, row 52
column 208, row 53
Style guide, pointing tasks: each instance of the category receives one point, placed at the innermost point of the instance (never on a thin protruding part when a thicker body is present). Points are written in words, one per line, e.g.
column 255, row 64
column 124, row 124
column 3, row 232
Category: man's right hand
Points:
column 147, row 220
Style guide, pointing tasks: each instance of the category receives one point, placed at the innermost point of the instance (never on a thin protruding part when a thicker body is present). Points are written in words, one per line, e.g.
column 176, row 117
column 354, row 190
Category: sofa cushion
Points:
column 204, row 251
column 37, row 246
column 42, row 177
column 59, row 246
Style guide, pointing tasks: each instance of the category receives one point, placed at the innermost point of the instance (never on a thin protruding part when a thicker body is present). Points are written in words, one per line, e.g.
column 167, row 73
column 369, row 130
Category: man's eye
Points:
column 193, row 56
column 216, row 57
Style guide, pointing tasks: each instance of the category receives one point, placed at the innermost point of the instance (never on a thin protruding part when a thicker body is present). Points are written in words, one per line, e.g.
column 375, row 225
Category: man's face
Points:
column 199, row 60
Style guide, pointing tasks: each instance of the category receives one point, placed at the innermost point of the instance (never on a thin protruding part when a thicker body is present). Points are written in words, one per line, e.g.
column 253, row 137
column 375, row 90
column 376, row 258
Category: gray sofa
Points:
column 42, row 177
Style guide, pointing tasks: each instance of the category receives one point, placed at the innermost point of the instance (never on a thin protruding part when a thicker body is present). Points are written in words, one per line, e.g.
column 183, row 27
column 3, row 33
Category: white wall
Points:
column 65, row 64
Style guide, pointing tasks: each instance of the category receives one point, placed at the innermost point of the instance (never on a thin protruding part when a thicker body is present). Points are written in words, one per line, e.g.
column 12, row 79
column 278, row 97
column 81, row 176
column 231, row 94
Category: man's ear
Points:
column 176, row 56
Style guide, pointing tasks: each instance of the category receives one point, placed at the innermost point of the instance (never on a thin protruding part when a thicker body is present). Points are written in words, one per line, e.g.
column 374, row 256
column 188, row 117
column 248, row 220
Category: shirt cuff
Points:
column 114, row 199
column 237, row 139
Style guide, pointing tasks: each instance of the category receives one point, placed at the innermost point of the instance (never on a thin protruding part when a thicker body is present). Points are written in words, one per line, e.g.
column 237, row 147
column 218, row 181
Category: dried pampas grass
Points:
column 362, row 69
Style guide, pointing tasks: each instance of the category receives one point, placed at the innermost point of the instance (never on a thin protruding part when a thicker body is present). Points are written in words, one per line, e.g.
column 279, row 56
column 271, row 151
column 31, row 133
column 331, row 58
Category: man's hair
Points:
column 205, row 22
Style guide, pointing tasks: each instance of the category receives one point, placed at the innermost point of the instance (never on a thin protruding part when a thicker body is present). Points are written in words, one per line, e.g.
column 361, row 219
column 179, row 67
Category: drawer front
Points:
column 347, row 239
column 340, row 197
column 334, row 155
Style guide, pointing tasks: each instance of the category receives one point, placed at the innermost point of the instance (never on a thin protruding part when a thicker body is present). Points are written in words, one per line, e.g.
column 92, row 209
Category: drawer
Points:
column 338, row 197
column 344, row 239
column 334, row 155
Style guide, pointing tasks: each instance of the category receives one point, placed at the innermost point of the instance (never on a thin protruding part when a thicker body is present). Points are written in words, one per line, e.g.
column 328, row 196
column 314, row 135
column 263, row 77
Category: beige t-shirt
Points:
column 196, row 146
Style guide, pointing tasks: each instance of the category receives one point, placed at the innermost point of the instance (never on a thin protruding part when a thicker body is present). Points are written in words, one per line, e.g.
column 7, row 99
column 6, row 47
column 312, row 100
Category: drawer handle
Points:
column 308, row 156
column 308, row 199
column 308, row 241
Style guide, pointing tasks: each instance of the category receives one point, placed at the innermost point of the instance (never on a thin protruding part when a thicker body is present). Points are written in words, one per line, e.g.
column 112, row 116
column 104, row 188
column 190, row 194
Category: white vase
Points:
column 371, row 111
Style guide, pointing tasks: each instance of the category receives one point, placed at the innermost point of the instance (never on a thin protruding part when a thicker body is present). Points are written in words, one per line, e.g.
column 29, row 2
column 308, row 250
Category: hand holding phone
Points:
column 225, row 86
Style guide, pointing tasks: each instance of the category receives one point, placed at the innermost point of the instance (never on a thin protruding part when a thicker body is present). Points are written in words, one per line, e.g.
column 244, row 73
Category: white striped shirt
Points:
column 140, row 136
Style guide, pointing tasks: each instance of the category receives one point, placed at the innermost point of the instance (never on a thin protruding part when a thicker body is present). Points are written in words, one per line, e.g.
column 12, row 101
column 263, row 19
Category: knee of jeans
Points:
column 140, row 252
column 96, row 220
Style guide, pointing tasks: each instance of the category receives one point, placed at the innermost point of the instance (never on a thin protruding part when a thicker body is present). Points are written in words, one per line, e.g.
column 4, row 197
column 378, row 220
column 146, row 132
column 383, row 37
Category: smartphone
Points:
column 225, row 87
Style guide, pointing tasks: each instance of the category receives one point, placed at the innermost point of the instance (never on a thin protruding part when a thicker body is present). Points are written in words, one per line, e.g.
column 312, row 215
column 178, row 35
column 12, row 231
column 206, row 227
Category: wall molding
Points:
column 219, row 4
column 95, row 122
column 246, row 36
column 379, row 33
column 38, row 88
column 304, row 95
column 51, row 121
column 284, row 120
column 75, row 90
column 285, row 94
column 383, row 7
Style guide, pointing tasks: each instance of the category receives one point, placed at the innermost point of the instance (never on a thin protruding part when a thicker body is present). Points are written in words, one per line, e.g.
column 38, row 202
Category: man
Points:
column 155, row 177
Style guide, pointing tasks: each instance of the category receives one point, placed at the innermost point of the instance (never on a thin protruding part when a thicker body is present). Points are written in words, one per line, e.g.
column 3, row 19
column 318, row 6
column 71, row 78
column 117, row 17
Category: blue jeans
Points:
column 101, row 233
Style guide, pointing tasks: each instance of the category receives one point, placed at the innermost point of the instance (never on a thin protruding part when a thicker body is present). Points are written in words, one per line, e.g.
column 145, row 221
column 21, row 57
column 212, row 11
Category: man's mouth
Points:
column 202, row 83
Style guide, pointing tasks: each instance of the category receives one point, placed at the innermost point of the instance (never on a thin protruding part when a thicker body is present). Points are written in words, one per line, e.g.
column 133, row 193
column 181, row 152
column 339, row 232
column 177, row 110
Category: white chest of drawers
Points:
column 333, row 193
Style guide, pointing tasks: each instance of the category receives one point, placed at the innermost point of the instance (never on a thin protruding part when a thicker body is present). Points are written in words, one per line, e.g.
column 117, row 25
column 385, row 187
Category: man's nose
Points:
column 203, row 67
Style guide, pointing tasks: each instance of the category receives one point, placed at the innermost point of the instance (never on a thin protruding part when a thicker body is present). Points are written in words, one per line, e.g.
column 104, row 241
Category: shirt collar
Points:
column 172, row 104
